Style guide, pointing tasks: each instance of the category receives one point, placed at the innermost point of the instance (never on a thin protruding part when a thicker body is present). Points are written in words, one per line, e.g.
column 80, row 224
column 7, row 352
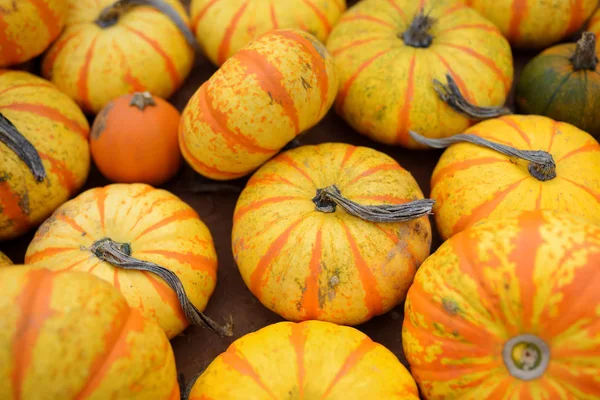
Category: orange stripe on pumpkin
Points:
column 55, row 50
column 167, row 295
column 82, row 79
column 273, row 15
column 459, row 81
column 201, row 14
column 518, row 13
column 129, row 78
column 456, row 7
column 458, row 166
column 354, row 44
column 11, row 50
column 347, row 155
column 310, row 297
column 259, row 203
column 225, row 45
column 586, row 189
column 49, row 19
column 50, row 113
column 65, row 176
column 298, row 341
column 577, row 16
column 11, row 207
column 403, row 124
column 178, row 216
column 271, row 179
column 46, row 253
column 373, row 170
column 199, row 165
column 513, row 124
column 591, row 147
column 69, row 221
column 234, row 359
column 101, row 194
column 369, row 18
column 28, row 85
column 287, row 160
column 322, row 17
column 399, row 10
column 197, row 262
column 483, row 27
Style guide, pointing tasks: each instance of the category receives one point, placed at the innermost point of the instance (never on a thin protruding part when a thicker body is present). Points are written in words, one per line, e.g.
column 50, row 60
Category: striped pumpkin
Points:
column 58, row 130
column 142, row 51
column 535, row 24
column 387, row 67
column 508, row 309
column 303, row 262
column 223, row 27
column 471, row 182
column 68, row 336
column 27, row 27
column 275, row 88
column 158, row 227
column 4, row 260
column 308, row 360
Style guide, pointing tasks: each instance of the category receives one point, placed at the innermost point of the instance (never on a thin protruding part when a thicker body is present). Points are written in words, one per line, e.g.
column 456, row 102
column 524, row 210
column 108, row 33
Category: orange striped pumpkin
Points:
column 304, row 262
column 223, row 27
column 142, row 50
column 58, row 130
column 275, row 88
column 68, row 336
column 308, row 360
column 4, row 260
column 157, row 225
column 508, row 309
column 387, row 67
column 27, row 27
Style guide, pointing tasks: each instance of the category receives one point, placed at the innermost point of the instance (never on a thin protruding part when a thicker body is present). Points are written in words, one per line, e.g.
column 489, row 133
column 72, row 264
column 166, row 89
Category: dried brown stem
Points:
column 584, row 56
column 417, row 35
column 142, row 100
column 15, row 141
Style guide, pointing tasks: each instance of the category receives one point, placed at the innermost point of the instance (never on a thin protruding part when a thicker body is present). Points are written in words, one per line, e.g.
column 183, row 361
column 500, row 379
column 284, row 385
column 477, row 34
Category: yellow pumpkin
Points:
column 224, row 27
column 4, row 260
column 49, row 159
column 308, row 360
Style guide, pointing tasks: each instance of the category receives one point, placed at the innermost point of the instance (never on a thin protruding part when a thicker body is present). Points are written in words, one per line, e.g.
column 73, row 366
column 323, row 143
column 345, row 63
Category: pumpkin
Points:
column 535, row 24
column 508, row 309
column 276, row 87
column 144, row 223
column 73, row 336
column 110, row 48
column 134, row 140
column 44, row 151
column 4, row 260
column 27, row 27
column 390, row 55
column 224, row 27
column 593, row 25
column 331, row 232
column 306, row 360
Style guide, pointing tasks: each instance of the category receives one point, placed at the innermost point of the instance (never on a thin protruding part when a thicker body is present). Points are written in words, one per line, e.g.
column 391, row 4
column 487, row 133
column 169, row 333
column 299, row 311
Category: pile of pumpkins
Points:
column 327, row 236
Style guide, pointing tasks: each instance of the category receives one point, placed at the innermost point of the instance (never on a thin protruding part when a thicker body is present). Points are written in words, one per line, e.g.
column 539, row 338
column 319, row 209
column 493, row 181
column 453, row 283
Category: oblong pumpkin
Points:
column 303, row 261
column 275, row 88
column 4, row 260
column 68, row 336
column 508, row 309
column 157, row 225
column 224, row 27
column 310, row 360
column 386, row 75
column 58, row 130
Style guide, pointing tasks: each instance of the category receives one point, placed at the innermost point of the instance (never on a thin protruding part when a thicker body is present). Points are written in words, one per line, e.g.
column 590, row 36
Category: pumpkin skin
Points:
column 386, row 86
column 307, row 360
column 224, row 27
column 71, row 336
column 594, row 23
column 27, row 27
column 144, row 51
column 470, row 182
column 58, row 130
column 4, row 260
column 275, row 88
column 530, row 274
column 160, row 227
column 535, row 24
column 305, row 264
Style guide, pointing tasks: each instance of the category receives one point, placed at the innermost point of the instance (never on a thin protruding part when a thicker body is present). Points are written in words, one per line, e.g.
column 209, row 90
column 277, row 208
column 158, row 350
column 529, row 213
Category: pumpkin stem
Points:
column 119, row 255
column 15, row 141
column 417, row 35
column 142, row 100
column 328, row 198
column 526, row 357
column 452, row 96
column 584, row 56
column 541, row 163
column 111, row 14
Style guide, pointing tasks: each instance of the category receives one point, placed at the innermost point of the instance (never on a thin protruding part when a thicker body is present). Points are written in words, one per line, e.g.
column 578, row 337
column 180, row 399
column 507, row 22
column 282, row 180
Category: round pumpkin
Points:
column 273, row 89
column 134, row 140
column 110, row 48
column 307, row 360
column 224, row 27
column 388, row 55
column 508, row 309
column 306, row 256
column 535, row 24
column 49, row 158
column 27, row 27
column 150, row 225
column 68, row 336
column 4, row 260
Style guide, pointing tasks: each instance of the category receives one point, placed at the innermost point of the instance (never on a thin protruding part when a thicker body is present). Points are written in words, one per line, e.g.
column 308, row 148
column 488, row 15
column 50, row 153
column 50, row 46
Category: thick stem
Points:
column 584, row 56
column 15, row 141
column 142, row 100
column 328, row 198
column 119, row 255
column 541, row 163
column 452, row 96
column 417, row 34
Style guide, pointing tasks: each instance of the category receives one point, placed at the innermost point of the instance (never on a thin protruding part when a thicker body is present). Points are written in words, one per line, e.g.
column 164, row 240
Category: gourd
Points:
column 4, row 260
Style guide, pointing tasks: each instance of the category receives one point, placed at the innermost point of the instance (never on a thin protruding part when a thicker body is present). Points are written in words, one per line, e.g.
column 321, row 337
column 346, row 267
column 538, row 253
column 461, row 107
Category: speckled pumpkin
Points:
column 387, row 69
column 223, row 27
column 273, row 89
column 305, row 262
column 51, row 122
column 508, row 309
column 308, row 360
column 69, row 336
column 157, row 225
column 4, row 260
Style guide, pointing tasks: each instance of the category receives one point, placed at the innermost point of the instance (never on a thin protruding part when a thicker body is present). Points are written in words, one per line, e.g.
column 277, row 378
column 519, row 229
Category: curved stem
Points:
column 142, row 100
column 417, row 35
column 15, row 141
column 542, row 165
column 119, row 255
column 584, row 56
